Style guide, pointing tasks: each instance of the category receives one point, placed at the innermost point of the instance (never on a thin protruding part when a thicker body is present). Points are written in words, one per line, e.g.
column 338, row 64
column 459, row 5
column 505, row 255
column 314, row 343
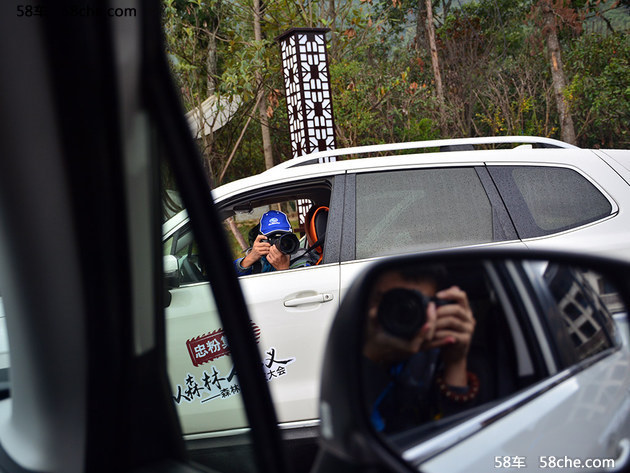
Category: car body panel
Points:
column 298, row 333
column 618, row 159
column 584, row 417
column 199, row 390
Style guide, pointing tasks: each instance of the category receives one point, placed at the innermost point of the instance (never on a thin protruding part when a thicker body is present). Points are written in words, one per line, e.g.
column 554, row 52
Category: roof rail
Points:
column 446, row 145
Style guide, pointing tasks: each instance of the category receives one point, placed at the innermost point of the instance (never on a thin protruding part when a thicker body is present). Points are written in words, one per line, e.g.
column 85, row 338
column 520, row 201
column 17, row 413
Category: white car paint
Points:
column 557, row 423
column 299, row 333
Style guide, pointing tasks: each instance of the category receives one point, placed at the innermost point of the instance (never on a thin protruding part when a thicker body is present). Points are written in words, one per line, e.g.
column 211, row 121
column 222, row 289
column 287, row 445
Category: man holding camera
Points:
column 272, row 248
column 417, row 339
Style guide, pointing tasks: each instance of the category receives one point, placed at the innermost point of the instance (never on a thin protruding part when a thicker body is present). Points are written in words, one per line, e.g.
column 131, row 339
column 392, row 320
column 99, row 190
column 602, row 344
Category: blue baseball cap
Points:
column 274, row 221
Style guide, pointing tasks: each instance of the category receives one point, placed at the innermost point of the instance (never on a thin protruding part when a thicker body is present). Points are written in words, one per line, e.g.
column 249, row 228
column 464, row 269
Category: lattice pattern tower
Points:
column 307, row 88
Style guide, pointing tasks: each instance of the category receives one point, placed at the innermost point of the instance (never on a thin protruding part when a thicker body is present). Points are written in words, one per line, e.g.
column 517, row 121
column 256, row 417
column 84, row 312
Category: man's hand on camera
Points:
column 455, row 325
column 278, row 259
column 260, row 248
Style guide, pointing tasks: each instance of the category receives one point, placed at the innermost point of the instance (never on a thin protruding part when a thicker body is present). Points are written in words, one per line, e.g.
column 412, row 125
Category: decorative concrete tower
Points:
column 307, row 88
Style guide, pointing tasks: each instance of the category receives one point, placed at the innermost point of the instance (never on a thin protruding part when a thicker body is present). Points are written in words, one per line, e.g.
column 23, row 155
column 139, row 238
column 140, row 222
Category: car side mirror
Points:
column 171, row 271
column 431, row 356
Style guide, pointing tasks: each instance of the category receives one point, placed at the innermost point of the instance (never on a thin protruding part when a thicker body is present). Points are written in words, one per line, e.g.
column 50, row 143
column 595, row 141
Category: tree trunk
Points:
column 262, row 105
column 567, row 131
column 211, row 64
column 435, row 61
column 207, row 142
column 420, row 41
column 332, row 18
column 237, row 235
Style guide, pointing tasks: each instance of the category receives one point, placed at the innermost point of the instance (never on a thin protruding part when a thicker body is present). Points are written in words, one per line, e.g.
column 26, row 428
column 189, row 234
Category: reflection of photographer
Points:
column 272, row 248
column 417, row 339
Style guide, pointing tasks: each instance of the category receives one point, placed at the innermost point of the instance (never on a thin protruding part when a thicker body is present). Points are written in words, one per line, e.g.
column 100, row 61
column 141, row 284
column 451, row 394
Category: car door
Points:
column 291, row 312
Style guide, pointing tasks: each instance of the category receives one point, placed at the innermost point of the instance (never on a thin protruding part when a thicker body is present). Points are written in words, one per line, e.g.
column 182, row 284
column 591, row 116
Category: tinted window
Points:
column 183, row 246
column 405, row 395
column 543, row 200
column 586, row 319
column 424, row 208
column 205, row 388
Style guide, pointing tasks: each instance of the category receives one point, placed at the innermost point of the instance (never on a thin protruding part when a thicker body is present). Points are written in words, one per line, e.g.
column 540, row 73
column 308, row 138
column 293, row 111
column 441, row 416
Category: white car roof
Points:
column 309, row 167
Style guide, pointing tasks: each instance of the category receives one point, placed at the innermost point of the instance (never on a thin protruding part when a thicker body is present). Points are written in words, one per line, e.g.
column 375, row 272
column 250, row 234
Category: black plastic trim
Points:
column 348, row 239
column 503, row 226
column 186, row 164
column 334, row 227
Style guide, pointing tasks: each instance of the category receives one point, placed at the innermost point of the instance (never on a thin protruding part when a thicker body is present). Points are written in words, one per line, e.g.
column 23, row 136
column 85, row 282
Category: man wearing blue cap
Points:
column 272, row 259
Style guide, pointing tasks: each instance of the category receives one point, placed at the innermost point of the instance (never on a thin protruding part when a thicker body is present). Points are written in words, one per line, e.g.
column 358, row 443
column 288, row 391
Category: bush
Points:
column 599, row 91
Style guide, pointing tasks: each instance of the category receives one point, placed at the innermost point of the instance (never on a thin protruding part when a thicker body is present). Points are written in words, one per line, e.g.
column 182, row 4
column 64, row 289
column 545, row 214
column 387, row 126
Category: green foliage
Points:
column 376, row 102
column 383, row 83
column 599, row 90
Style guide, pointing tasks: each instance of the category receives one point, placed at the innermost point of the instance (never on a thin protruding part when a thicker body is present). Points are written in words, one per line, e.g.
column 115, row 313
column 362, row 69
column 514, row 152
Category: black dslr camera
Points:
column 402, row 312
column 287, row 243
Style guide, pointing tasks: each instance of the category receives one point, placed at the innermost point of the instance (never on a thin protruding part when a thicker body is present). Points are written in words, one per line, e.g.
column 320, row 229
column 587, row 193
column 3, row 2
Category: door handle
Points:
column 317, row 298
column 621, row 462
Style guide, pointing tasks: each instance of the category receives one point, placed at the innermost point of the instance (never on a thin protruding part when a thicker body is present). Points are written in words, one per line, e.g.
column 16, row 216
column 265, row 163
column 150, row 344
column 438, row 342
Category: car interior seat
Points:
column 492, row 354
column 189, row 270
column 317, row 219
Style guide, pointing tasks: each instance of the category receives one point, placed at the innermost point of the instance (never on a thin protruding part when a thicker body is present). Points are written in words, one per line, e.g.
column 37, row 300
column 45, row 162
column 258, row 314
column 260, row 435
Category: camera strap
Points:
column 319, row 242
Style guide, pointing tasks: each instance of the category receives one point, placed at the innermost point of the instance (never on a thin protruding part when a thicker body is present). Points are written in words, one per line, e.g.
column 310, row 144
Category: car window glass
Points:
column 204, row 385
column 247, row 223
column 182, row 245
column 307, row 218
column 420, row 209
column 587, row 321
column 559, row 198
column 406, row 393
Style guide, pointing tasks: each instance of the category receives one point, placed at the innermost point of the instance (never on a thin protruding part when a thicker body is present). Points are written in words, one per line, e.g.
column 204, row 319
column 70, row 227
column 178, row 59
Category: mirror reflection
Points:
column 445, row 342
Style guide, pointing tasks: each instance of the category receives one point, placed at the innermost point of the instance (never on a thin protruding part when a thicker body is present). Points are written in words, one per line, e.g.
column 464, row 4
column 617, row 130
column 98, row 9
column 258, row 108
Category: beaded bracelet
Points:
column 450, row 393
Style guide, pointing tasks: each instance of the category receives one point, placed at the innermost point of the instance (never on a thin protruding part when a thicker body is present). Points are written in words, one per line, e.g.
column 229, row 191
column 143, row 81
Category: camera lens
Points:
column 287, row 243
column 402, row 312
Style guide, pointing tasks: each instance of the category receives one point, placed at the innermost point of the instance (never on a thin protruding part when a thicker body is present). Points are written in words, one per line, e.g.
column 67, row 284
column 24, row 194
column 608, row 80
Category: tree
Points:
column 435, row 61
column 599, row 67
column 262, row 101
column 192, row 29
column 551, row 15
column 390, row 83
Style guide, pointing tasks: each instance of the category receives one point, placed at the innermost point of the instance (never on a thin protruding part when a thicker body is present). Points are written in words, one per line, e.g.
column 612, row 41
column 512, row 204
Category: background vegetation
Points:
column 555, row 68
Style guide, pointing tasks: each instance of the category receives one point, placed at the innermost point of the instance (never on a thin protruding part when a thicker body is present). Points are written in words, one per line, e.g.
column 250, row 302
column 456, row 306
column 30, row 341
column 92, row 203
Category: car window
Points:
column 204, row 385
column 407, row 399
column 544, row 200
column 588, row 323
column 306, row 207
column 420, row 209
column 243, row 227
column 182, row 245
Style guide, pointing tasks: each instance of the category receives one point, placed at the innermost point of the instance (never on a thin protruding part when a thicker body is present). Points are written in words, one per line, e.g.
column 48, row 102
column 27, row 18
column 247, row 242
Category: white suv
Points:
column 540, row 194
